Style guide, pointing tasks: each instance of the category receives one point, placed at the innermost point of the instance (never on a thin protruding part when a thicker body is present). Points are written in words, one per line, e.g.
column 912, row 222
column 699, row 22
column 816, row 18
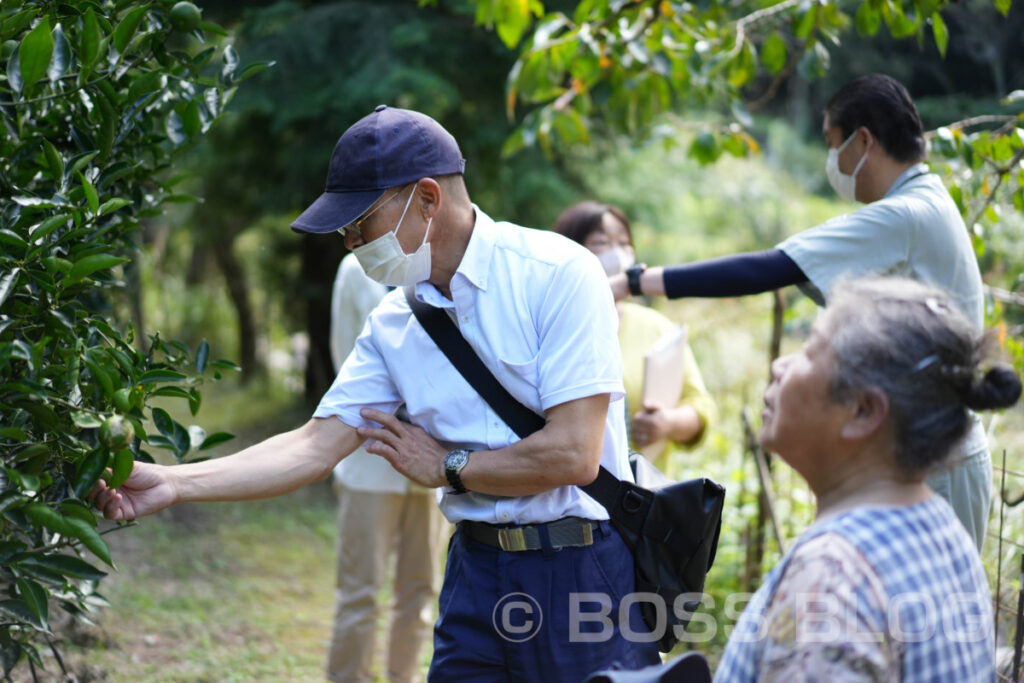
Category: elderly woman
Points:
column 886, row 585
column 604, row 230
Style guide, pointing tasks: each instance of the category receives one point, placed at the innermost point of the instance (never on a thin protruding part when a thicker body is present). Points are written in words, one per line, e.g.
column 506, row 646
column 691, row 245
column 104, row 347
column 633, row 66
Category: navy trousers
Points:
column 538, row 615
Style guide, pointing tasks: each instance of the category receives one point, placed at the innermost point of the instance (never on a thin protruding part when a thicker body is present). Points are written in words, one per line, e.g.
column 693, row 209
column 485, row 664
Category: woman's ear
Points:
column 870, row 410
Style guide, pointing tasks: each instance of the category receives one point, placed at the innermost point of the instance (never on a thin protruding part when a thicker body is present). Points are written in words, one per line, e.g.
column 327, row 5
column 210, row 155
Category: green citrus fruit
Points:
column 185, row 16
column 123, row 400
column 116, row 432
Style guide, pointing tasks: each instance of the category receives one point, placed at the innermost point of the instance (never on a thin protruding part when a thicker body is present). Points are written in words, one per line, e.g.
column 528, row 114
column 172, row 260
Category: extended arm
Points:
column 566, row 451
column 736, row 275
column 270, row 468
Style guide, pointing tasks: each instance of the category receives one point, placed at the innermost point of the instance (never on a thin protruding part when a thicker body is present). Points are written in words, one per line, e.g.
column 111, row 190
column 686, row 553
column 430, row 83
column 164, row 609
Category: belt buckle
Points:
column 588, row 534
column 512, row 539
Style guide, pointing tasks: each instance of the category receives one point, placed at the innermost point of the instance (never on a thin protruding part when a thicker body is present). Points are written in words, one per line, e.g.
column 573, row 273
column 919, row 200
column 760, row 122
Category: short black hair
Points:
column 881, row 104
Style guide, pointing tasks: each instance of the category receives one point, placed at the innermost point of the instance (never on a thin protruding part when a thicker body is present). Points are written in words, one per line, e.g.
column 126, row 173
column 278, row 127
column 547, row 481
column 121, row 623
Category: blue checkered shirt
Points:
column 934, row 583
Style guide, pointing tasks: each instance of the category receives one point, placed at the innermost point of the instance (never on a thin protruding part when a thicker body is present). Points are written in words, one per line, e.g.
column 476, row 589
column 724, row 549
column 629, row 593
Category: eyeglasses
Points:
column 357, row 224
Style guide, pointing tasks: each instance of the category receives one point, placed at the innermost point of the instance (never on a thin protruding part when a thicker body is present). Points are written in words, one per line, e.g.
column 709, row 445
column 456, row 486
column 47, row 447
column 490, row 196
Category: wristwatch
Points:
column 453, row 464
column 633, row 274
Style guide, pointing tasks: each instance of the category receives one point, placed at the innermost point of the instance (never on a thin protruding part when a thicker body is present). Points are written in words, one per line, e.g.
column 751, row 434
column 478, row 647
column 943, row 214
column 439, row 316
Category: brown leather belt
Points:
column 570, row 532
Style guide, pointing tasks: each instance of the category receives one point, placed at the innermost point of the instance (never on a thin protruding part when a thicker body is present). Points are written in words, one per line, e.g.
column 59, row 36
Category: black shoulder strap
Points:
column 521, row 419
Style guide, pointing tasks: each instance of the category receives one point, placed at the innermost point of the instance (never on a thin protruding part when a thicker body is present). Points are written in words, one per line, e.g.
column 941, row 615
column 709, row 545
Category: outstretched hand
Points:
column 408, row 448
column 146, row 491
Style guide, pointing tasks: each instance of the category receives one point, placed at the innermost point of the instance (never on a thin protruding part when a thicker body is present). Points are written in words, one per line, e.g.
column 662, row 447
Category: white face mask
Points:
column 615, row 260
column 384, row 260
column 844, row 184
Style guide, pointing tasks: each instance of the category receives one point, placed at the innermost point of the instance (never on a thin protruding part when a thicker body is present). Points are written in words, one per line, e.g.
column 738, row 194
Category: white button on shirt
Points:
column 537, row 309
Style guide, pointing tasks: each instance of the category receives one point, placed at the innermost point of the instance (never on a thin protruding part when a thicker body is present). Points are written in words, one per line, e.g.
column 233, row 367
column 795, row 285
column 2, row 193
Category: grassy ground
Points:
column 244, row 591
column 218, row 591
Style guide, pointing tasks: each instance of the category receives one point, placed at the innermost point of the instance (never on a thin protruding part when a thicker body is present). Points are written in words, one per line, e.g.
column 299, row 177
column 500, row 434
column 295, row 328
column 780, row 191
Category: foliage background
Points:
column 228, row 270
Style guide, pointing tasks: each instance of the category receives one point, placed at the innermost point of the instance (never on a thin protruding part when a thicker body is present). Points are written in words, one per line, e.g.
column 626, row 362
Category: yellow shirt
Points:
column 639, row 328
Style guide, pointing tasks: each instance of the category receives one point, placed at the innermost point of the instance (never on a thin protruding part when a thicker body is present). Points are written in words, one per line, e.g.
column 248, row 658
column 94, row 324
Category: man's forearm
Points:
column 736, row 275
column 567, row 451
column 278, row 465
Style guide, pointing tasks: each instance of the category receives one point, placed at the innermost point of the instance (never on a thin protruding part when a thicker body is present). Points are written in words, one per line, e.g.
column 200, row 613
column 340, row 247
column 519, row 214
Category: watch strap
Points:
column 633, row 274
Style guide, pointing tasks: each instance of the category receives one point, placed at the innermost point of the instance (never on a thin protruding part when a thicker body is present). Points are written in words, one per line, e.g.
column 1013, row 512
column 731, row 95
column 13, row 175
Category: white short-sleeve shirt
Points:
column 537, row 309
column 353, row 296
column 915, row 231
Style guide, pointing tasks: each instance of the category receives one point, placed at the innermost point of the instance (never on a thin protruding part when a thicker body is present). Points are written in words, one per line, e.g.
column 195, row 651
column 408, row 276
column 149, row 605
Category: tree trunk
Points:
column 238, row 290
column 320, row 258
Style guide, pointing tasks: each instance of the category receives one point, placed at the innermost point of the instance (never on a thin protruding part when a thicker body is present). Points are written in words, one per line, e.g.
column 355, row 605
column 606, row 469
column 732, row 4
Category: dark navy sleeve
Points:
column 737, row 275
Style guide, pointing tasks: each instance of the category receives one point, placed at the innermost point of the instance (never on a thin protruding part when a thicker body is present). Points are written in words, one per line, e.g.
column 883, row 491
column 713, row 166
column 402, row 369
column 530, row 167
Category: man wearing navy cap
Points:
column 535, row 572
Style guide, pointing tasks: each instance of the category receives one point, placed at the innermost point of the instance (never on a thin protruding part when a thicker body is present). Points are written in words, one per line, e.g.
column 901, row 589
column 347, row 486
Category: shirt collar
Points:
column 476, row 262
column 914, row 171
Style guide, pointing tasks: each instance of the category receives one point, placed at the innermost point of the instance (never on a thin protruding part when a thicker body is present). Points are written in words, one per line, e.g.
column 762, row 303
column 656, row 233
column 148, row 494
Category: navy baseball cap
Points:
column 388, row 148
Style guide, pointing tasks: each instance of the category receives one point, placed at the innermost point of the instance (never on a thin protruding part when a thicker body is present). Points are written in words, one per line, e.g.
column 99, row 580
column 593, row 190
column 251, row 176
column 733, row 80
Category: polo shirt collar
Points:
column 914, row 171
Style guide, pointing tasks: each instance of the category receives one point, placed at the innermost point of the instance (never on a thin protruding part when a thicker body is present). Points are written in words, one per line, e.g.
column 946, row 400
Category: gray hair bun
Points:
column 999, row 387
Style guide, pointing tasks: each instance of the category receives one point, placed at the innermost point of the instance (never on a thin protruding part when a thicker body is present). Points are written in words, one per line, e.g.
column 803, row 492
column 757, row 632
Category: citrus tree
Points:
column 96, row 99
column 635, row 67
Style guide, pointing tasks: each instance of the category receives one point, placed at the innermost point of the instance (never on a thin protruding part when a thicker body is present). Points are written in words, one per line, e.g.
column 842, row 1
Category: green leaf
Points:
column 8, row 281
column 215, row 439
column 34, row 597
column 940, row 32
column 195, row 399
column 90, row 45
column 90, row 538
column 807, row 23
column 704, row 148
column 53, row 159
column 90, row 193
column 163, row 422
column 743, row 68
column 112, row 205
column 45, row 516
column 123, row 463
column 146, row 83
column 161, row 376
column 190, row 120
column 1003, row 6
column 175, row 392
column 14, row 73
column 202, row 355
column 91, row 264
column 61, row 59
column 89, row 471
column 868, row 20
column 70, row 507
column 13, row 433
column 55, row 264
column 773, row 53
column 34, row 53
column 66, row 565
column 127, row 27
column 48, row 226
column 9, row 498
column 225, row 365
column 253, row 69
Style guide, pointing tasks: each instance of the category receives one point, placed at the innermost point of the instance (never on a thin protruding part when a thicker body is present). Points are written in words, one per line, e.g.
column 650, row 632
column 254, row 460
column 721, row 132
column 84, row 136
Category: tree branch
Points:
column 1003, row 171
column 750, row 19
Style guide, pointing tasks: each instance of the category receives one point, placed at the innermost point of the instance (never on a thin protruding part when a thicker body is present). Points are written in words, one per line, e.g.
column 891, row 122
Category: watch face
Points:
column 457, row 459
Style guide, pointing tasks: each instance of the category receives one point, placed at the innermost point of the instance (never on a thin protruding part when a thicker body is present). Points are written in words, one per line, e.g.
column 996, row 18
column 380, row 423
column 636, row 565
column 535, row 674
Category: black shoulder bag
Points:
column 672, row 530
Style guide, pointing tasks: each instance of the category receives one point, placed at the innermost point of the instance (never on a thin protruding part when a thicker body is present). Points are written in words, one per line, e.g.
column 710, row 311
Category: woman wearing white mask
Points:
column 909, row 225
column 605, row 231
